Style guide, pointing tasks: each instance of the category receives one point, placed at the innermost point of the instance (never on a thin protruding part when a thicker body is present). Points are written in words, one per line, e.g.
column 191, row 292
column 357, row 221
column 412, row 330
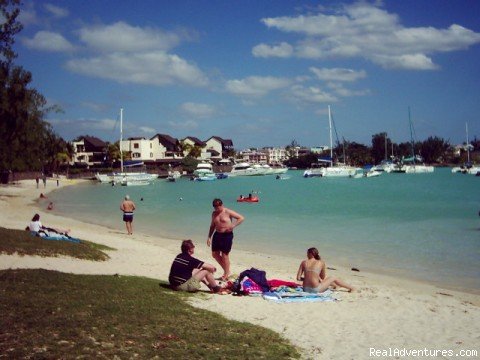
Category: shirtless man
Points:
column 128, row 207
column 221, row 227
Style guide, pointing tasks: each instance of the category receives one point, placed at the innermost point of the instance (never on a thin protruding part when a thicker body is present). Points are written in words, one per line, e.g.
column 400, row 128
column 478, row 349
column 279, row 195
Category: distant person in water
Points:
column 187, row 273
column 220, row 234
column 50, row 206
column 128, row 207
column 313, row 274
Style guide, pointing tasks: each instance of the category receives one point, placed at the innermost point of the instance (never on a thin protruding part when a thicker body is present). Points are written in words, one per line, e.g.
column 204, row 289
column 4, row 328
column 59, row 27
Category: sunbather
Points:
column 36, row 227
column 314, row 274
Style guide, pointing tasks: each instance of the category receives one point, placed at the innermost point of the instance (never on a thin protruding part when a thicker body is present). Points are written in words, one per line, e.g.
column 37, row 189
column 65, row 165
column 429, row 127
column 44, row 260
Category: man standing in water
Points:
column 221, row 227
column 128, row 207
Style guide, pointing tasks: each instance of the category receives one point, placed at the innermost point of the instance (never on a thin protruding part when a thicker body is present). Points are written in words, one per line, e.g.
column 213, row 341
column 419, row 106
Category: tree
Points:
column 291, row 149
column 434, row 149
column 26, row 140
column 380, row 146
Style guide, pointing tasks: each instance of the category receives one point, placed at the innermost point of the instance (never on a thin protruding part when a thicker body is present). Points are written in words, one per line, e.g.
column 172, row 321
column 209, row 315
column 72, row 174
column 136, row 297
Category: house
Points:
column 254, row 156
column 275, row 155
column 191, row 142
column 170, row 147
column 89, row 150
column 141, row 148
column 219, row 148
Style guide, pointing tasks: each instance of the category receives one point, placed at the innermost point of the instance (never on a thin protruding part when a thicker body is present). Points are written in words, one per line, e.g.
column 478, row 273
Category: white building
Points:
column 142, row 149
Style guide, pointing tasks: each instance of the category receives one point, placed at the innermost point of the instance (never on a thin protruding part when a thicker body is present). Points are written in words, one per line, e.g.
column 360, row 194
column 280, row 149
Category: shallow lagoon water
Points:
column 420, row 226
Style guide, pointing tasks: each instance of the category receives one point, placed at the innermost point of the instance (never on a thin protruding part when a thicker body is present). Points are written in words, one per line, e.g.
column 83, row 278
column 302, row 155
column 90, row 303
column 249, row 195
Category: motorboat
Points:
column 221, row 176
column 384, row 166
column 173, row 176
column 246, row 169
column 203, row 169
column 419, row 169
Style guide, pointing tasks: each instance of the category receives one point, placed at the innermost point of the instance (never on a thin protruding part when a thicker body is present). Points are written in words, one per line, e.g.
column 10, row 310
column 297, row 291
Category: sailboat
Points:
column 127, row 178
column 468, row 167
column 413, row 167
column 337, row 170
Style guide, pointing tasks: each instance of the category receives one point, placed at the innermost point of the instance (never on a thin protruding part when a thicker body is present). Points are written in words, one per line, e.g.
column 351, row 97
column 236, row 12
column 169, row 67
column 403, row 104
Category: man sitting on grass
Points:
column 187, row 272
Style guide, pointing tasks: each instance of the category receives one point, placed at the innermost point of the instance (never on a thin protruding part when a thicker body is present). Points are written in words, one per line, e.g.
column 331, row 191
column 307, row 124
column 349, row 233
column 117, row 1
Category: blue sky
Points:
column 261, row 73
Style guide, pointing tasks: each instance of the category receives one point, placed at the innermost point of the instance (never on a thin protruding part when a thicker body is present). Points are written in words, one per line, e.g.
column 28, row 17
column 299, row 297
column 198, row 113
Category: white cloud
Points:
column 367, row 31
column 256, row 85
column 338, row 74
column 340, row 90
column 186, row 125
column 48, row 41
column 413, row 62
column 147, row 130
column 123, row 37
column 95, row 106
column 311, row 94
column 197, row 110
column 85, row 124
column 149, row 68
column 282, row 50
column 56, row 11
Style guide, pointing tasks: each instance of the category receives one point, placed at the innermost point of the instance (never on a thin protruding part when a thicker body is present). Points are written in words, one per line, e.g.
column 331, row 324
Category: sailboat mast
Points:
column 468, row 145
column 386, row 156
column 411, row 136
column 121, row 138
column 331, row 140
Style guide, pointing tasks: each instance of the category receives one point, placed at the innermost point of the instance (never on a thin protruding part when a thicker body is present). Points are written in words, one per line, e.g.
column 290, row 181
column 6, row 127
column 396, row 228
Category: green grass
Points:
column 52, row 315
column 23, row 243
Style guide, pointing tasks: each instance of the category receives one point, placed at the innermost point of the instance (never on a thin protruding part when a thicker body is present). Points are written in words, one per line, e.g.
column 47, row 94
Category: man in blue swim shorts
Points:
column 128, row 206
column 220, row 234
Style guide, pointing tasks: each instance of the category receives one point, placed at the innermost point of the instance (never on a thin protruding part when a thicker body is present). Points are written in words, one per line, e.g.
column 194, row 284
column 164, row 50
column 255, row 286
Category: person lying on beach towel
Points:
column 38, row 229
column 314, row 274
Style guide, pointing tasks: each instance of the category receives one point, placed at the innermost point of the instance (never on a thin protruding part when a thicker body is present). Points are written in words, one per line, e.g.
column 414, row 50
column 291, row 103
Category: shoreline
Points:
column 420, row 314
column 335, row 259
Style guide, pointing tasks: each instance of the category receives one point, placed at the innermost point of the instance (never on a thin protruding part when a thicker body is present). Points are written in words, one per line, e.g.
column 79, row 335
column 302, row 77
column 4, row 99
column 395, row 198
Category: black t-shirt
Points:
column 182, row 268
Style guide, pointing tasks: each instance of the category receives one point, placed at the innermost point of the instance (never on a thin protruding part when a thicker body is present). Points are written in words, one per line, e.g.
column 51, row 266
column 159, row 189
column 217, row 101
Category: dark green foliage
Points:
column 27, row 142
column 189, row 164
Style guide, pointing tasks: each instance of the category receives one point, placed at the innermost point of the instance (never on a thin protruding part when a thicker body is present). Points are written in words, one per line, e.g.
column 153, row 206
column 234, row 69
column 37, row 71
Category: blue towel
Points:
column 298, row 296
column 58, row 237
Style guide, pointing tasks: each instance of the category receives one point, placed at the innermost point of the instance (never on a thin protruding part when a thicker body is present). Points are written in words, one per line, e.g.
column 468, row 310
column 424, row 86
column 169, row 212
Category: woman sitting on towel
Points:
column 314, row 275
column 36, row 227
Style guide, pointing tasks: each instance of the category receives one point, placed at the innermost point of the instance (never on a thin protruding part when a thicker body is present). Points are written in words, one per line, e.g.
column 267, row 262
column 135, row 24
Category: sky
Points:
column 261, row 73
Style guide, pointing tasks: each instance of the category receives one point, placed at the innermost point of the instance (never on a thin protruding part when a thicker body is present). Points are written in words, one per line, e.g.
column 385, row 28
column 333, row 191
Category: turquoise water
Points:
column 421, row 226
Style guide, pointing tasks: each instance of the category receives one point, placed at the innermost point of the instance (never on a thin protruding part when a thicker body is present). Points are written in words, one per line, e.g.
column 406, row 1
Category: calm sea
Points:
column 420, row 226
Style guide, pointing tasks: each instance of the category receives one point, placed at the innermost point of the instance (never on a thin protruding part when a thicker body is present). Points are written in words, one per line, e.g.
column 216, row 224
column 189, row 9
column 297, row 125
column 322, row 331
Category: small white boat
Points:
column 418, row 169
column 373, row 173
column 203, row 169
column 384, row 166
column 246, row 169
column 173, row 176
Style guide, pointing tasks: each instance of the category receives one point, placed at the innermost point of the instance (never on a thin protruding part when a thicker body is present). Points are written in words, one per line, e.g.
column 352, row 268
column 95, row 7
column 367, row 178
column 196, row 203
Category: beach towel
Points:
column 298, row 295
column 55, row 236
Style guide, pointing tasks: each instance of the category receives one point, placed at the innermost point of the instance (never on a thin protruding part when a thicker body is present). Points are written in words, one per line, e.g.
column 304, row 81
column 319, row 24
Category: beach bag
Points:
column 258, row 276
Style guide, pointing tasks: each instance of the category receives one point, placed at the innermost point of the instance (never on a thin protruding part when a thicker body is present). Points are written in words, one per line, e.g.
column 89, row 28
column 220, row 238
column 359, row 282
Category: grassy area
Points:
column 52, row 315
column 23, row 243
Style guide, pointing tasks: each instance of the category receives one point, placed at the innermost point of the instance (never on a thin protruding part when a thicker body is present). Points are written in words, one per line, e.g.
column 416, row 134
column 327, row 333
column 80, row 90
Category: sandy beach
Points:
column 387, row 316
